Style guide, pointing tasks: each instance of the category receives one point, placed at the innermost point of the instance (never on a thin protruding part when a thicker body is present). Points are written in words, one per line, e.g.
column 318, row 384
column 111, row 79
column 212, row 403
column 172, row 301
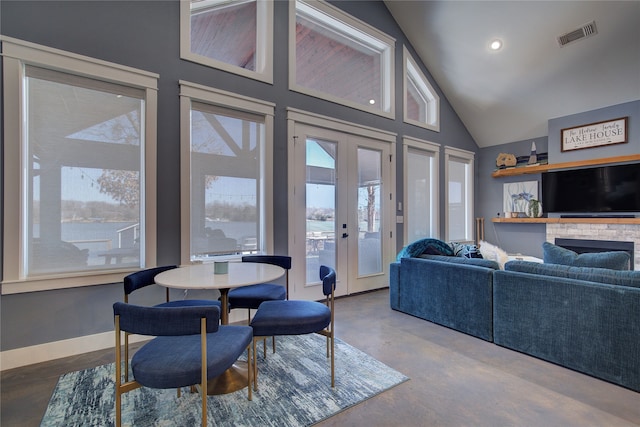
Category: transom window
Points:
column 232, row 35
column 341, row 59
column 421, row 103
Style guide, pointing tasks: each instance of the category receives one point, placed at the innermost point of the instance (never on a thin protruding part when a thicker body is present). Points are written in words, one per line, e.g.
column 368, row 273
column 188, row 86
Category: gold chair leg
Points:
column 118, row 374
column 333, row 362
column 255, row 366
column 126, row 357
column 250, row 374
column 203, row 369
column 328, row 352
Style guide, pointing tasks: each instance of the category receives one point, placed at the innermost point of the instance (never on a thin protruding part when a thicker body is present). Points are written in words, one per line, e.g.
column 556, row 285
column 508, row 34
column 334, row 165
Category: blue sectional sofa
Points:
column 452, row 291
column 585, row 319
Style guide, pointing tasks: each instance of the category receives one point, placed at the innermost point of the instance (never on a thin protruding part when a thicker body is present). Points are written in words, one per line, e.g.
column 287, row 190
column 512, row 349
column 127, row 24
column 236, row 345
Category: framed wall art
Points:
column 594, row 134
column 516, row 197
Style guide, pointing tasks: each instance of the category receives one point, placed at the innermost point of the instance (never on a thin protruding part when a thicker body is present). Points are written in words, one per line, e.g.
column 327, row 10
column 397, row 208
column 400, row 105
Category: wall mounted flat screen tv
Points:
column 605, row 190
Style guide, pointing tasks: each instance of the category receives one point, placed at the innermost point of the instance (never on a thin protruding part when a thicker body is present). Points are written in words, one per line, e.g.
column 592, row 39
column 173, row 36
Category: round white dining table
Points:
column 202, row 276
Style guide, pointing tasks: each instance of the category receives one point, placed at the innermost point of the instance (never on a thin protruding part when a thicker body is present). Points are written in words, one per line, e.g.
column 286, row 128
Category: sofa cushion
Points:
column 599, row 275
column 425, row 246
column 615, row 260
column 453, row 294
column 462, row 260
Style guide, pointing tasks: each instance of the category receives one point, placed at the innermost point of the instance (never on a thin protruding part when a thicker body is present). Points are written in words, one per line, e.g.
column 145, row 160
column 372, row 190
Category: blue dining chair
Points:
column 190, row 347
column 146, row 277
column 250, row 297
column 143, row 278
column 292, row 317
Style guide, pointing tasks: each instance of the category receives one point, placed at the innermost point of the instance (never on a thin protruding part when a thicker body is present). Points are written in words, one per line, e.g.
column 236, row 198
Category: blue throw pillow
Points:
column 465, row 250
column 425, row 246
column 615, row 260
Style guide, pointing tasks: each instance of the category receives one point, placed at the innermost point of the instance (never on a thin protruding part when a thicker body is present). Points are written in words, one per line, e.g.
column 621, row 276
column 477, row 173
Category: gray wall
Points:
column 527, row 238
column 145, row 35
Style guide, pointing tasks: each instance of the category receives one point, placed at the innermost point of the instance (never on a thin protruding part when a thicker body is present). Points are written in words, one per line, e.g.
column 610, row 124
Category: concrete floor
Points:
column 456, row 379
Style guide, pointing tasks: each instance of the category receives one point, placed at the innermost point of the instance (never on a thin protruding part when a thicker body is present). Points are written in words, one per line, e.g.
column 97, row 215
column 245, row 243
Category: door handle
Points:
column 345, row 235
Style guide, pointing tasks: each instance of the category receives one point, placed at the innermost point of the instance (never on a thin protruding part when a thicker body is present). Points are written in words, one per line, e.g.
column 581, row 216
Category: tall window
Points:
column 459, row 194
column 421, row 102
column 421, row 189
column 336, row 57
column 226, row 154
column 81, row 175
column 232, row 35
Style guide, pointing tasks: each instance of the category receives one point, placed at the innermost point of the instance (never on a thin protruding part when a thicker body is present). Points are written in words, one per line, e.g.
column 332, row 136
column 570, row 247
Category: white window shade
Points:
column 459, row 194
column 82, row 208
column 226, row 182
column 226, row 159
column 421, row 195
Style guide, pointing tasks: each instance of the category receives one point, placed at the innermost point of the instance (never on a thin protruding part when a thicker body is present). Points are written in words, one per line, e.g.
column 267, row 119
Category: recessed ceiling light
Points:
column 495, row 44
column 372, row 101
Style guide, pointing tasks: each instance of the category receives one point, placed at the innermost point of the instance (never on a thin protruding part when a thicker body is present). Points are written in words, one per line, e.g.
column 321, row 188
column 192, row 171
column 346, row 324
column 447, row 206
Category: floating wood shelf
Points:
column 523, row 170
column 568, row 220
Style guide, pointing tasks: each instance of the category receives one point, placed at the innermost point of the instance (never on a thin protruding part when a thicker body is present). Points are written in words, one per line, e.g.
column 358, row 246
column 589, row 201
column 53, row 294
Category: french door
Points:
column 340, row 214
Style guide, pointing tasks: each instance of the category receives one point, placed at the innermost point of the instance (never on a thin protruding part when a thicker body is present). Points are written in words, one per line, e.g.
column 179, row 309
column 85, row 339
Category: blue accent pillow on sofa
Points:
column 465, row 250
column 615, row 260
column 425, row 246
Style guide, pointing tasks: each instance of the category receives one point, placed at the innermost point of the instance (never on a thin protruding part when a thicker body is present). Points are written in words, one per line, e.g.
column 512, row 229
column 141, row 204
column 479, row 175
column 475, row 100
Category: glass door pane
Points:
column 320, row 206
column 369, row 186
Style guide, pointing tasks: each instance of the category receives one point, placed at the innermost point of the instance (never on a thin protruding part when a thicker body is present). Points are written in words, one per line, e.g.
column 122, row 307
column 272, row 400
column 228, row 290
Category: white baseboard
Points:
column 24, row 356
column 55, row 350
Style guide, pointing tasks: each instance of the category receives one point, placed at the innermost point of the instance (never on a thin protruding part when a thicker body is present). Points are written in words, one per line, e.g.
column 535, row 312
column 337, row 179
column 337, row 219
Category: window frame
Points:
column 192, row 92
column 16, row 55
column 467, row 158
column 264, row 43
column 412, row 70
column 433, row 150
column 320, row 8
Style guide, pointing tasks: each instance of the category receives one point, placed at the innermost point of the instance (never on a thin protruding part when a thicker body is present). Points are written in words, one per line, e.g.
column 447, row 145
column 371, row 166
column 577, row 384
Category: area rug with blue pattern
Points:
column 294, row 390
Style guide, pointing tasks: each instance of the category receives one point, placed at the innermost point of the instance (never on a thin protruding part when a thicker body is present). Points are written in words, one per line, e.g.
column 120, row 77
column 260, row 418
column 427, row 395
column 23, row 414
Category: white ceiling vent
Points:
column 585, row 31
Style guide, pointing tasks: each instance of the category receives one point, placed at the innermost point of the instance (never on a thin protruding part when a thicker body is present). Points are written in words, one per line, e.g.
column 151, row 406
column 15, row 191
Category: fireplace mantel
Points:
column 568, row 220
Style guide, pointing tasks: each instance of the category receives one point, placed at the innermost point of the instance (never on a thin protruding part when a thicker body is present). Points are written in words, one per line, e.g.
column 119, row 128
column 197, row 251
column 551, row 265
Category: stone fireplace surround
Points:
column 597, row 231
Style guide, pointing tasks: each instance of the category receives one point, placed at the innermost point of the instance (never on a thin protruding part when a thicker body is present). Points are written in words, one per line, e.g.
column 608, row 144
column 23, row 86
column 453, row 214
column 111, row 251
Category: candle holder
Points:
column 221, row 267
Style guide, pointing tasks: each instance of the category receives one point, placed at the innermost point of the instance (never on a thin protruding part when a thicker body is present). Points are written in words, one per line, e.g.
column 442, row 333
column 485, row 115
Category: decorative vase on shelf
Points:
column 533, row 158
column 535, row 208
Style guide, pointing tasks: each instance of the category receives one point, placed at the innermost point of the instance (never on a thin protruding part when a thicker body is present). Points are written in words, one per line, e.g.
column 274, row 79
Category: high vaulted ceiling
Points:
column 510, row 95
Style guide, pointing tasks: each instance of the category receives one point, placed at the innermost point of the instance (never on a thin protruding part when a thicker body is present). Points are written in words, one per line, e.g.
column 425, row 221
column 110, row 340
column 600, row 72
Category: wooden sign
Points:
column 594, row 134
